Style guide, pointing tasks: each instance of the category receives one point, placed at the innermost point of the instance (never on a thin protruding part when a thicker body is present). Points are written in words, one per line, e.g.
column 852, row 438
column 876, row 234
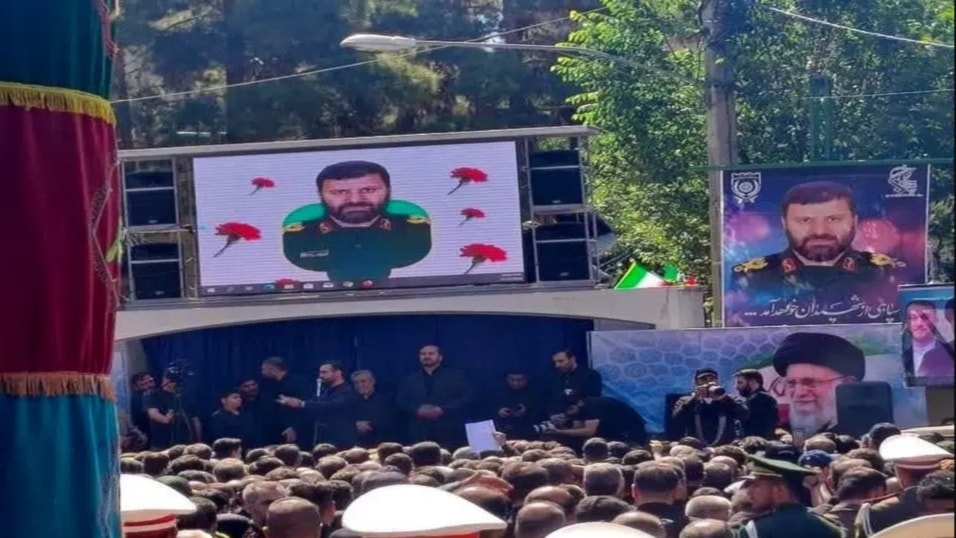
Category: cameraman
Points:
column 709, row 413
column 171, row 420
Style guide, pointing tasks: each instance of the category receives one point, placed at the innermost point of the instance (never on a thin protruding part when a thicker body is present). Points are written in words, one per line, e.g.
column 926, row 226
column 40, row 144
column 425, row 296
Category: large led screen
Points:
column 375, row 218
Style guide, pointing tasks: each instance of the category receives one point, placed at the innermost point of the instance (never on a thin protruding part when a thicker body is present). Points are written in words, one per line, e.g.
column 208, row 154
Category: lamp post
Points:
column 719, row 98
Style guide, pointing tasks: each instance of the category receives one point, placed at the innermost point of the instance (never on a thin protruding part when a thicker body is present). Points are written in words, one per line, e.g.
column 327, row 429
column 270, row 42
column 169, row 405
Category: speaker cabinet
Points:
column 150, row 198
column 564, row 261
column 154, row 270
column 558, row 186
column 560, row 157
column 862, row 404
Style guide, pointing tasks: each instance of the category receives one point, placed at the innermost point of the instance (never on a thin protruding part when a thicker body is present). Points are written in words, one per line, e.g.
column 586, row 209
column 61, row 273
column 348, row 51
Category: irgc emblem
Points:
column 902, row 182
column 745, row 186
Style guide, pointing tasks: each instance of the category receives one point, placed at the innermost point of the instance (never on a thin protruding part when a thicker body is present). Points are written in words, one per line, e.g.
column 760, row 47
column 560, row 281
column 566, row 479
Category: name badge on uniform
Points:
column 314, row 254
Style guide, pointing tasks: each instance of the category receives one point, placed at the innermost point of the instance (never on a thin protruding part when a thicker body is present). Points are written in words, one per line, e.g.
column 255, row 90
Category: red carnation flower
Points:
column 466, row 175
column 283, row 282
column 235, row 232
column 260, row 183
column 471, row 213
column 481, row 253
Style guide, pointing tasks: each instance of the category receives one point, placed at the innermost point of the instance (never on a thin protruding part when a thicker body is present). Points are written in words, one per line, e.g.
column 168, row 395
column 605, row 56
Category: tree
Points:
column 654, row 118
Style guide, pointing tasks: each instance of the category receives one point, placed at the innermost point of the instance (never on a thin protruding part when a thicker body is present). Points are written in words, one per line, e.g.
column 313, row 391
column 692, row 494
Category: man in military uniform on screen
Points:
column 820, row 265
column 357, row 239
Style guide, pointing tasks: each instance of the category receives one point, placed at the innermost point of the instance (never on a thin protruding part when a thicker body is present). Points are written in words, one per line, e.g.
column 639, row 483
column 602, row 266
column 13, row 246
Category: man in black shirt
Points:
column 762, row 414
column 335, row 408
column 171, row 419
column 230, row 420
column 572, row 382
column 288, row 423
column 607, row 418
column 374, row 413
column 140, row 384
column 517, row 408
column 437, row 399
column 708, row 413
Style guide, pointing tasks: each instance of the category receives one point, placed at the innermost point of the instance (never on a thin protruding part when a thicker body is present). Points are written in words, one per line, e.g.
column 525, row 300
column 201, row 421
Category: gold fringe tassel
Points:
column 56, row 384
column 27, row 96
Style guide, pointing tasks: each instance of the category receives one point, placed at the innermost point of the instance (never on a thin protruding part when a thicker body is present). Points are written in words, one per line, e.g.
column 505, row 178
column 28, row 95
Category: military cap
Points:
column 935, row 526
column 407, row 510
column 147, row 506
column 598, row 530
column 910, row 452
column 769, row 468
column 816, row 458
column 821, row 349
column 705, row 371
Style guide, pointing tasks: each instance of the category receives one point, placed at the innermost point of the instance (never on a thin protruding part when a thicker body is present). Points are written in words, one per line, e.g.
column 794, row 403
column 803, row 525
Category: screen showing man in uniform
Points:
column 359, row 218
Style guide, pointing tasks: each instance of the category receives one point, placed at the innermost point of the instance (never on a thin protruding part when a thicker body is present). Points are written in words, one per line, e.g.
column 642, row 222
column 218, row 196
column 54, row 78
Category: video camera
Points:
column 177, row 371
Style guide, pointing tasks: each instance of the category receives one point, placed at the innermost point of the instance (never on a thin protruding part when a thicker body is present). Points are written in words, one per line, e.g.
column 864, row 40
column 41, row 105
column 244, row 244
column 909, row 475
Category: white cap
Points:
column 911, row 452
column 598, row 530
column 147, row 505
column 405, row 510
column 937, row 526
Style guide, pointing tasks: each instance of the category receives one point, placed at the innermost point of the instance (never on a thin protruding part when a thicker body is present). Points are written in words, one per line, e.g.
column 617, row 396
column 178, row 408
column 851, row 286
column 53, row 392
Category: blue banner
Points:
column 804, row 246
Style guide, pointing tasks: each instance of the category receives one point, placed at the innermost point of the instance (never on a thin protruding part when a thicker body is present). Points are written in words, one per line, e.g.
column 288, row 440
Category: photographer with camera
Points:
column 171, row 420
column 709, row 413
column 599, row 416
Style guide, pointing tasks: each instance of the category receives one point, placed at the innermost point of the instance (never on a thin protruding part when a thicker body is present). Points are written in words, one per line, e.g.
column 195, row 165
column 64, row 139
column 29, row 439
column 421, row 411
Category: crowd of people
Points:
column 829, row 486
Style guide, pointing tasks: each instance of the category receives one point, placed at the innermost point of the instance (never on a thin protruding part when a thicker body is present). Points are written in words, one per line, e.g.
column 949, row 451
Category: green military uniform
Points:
column 792, row 520
column 361, row 254
column 885, row 512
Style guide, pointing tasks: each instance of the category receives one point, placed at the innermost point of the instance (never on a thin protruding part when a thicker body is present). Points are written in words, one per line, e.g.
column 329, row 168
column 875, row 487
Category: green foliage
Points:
column 654, row 118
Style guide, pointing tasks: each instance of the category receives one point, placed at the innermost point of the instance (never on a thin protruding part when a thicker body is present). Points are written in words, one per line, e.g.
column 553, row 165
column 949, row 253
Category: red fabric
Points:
column 59, row 215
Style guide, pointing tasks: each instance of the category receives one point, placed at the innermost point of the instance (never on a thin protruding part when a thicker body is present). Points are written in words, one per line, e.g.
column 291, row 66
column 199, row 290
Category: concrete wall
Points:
column 660, row 308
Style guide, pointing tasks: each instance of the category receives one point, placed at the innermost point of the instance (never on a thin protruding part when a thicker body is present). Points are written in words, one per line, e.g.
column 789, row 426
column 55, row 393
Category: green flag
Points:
column 638, row 277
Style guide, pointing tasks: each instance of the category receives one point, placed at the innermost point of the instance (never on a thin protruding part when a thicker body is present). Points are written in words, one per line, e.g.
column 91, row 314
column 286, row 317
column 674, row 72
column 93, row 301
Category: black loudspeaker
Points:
column 564, row 261
column 155, row 272
column 862, row 404
column 150, row 198
column 556, row 178
column 672, row 430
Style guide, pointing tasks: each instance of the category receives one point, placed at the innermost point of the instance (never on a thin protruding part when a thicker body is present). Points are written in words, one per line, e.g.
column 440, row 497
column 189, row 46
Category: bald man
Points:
column 293, row 518
column 708, row 507
column 644, row 522
column 538, row 520
column 555, row 495
column 706, row 528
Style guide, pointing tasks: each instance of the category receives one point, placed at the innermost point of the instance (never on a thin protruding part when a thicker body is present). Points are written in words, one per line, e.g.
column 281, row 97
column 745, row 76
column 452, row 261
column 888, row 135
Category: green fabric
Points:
column 56, row 43
column 317, row 211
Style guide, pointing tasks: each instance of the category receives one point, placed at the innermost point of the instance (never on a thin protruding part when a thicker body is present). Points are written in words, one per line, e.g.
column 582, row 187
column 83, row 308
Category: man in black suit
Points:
column 762, row 409
column 437, row 398
column 374, row 416
column 335, row 408
column 287, row 424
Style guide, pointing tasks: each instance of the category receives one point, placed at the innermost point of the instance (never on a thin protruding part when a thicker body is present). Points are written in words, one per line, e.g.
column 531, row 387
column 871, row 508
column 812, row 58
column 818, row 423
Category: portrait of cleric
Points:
column 927, row 351
column 811, row 366
column 357, row 232
column 819, row 277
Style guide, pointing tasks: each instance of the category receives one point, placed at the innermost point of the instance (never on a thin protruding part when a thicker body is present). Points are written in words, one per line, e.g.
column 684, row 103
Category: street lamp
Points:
column 395, row 43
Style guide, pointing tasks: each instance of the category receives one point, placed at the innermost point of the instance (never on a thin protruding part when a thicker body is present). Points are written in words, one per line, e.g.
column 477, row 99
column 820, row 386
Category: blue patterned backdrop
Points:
column 643, row 367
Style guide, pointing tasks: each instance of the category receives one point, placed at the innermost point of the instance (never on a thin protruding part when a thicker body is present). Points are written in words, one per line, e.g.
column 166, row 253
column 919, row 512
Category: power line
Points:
column 857, row 30
column 337, row 67
column 886, row 94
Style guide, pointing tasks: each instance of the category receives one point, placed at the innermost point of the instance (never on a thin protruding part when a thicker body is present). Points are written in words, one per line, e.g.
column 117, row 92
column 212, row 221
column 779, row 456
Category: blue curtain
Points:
column 484, row 346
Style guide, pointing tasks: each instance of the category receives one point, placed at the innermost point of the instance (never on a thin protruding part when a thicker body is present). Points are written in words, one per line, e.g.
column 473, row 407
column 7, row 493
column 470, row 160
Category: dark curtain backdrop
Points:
column 484, row 346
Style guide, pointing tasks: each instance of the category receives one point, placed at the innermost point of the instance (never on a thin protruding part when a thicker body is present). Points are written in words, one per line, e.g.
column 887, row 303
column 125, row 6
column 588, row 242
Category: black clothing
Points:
column 617, row 421
column 762, row 415
column 526, row 411
column 239, row 425
column 672, row 515
column 259, row 412
column 376, row 409
column 283, row 417
column 582, row 381
column 712, row 423
column 335, row 411
column 444, row 388
column 137, row 412
column 180, row 431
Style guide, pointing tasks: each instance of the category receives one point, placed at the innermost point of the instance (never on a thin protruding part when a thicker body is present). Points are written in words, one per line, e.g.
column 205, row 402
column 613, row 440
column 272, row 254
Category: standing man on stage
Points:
column 374, row 416
column 436, row 397
column 171, row 419
column 335, row 408
column 572, row 383
column 287, row 422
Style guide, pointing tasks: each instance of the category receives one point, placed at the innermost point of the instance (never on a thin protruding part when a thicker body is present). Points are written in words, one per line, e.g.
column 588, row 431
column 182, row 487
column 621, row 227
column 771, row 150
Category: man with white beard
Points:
column 813, row 365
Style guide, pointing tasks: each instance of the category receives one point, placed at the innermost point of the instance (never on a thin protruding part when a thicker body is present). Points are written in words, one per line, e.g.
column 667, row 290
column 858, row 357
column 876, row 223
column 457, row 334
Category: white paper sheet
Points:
column 481, row 436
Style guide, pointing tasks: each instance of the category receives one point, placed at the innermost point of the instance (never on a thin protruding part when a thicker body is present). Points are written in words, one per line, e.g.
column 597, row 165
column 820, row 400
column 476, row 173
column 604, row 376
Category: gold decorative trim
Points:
column 28, row 96
column 56, row 384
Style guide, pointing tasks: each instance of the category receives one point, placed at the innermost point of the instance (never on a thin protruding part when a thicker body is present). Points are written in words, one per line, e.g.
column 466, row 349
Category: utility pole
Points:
column 821, row 117
column 721, row 131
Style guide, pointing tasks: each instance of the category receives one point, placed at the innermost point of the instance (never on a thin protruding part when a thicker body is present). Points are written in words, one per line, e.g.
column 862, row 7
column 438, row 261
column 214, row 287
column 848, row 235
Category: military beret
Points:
column 770, row 468
column 821, row 349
